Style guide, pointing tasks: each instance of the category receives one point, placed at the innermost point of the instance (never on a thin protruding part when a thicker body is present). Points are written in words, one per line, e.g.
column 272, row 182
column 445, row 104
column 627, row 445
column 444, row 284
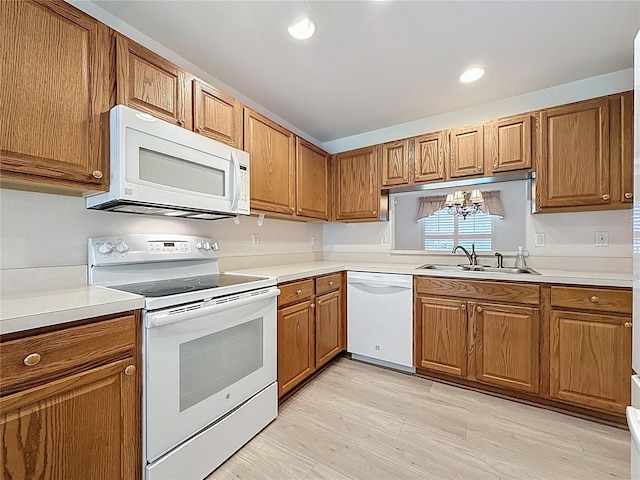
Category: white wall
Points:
column 38, row 229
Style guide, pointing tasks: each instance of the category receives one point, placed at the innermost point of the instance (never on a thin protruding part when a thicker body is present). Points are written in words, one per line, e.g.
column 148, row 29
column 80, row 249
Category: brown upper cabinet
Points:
column 466, row 151
column 508, row 143
column 55, row 94
column 395, row 163
column 216, row 115
column 152, row 84
column 357, row 195
column 312, row 181
column 429, row 157
column 585, row 155
column 273, row 164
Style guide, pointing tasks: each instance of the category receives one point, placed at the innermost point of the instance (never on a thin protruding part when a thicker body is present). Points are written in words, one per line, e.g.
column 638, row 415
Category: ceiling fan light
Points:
column 303, row 30
column 471, row 75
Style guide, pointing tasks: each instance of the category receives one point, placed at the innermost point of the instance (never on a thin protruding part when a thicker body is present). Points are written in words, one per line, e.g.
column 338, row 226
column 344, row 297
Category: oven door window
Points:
column 216, row 361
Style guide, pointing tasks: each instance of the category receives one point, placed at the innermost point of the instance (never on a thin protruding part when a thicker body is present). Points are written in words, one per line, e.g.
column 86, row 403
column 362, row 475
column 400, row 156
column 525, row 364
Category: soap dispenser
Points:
column 520, row 263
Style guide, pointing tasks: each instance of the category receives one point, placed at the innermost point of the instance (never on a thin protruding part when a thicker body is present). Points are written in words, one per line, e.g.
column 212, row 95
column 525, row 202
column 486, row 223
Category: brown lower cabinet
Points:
column 310, row 327
column 71, row 402
column 564, row 346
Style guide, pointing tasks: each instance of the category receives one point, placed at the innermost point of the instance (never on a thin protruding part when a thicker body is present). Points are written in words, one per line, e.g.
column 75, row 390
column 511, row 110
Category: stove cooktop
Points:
column 163, row 288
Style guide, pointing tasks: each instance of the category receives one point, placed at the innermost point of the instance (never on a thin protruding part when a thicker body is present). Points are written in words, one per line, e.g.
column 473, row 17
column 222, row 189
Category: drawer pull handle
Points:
column 479, row 309
column 130, row 370
column 628, row 195
column 31, row 360
column 97, row 174
column 463, row 307
column 628, row 324
column 595, row 299
column 298, row 292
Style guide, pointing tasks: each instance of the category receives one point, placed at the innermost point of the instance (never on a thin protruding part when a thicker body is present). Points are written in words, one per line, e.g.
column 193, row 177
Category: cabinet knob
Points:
column 299, row 210
column 628, row 195
column 130, row 370
column 374, row 212
column 181, row 122
column 605, row 197
column 32, row 359
column 495, row 165
column 595, row 299
column 293, row 209
column 479, row 169
column 463, row 307
column 479, row 309
column 330, row 283
column 628, row 324
column 319, row 303
column 313, row 305
column 97, row 174
column 298, row 292
column 200, row 128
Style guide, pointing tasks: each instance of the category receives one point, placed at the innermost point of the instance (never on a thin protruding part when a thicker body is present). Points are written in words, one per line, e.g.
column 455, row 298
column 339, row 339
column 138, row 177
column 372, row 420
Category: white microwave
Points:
column 161, row 169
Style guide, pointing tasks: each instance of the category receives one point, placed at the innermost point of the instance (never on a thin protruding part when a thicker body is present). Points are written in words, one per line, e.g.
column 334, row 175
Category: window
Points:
column 443, row 231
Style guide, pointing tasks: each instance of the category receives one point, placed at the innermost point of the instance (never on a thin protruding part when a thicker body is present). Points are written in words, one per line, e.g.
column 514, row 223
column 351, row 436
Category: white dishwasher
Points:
column 380, row 319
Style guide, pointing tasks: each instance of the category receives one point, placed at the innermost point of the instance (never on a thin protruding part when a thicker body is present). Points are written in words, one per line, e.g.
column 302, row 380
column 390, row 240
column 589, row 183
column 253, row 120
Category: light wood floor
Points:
column 357, row 421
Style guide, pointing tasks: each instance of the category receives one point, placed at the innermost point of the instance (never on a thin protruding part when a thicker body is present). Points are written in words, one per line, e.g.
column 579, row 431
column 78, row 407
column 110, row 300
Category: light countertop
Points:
column 287, row 273
column 27, row 310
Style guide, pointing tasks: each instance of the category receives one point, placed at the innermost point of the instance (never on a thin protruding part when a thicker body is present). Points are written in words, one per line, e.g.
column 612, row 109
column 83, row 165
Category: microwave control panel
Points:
column 243, row 201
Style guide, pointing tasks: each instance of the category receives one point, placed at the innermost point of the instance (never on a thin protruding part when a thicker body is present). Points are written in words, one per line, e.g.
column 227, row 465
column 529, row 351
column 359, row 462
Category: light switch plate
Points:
column 602, row 239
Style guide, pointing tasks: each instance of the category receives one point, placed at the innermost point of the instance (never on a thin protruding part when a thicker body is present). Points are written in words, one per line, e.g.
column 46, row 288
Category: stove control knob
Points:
column 207, row 246
column 122, row 247
column 105, row 248
column 199, row 246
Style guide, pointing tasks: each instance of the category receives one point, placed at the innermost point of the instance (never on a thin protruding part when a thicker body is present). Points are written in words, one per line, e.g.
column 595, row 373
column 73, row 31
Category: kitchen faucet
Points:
column 472, row 257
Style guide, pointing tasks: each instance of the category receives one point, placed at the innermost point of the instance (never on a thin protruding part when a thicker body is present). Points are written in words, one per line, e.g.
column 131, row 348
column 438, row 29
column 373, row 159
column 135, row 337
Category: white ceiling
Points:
column 376, row 64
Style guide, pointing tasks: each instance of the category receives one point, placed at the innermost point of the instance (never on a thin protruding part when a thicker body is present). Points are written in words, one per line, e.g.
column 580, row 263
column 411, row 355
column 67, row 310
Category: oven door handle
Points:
column 166, row 318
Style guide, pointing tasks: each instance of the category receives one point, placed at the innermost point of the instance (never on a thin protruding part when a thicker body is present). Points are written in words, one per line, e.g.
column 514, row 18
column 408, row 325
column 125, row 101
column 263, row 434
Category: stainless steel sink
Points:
column 476, row 268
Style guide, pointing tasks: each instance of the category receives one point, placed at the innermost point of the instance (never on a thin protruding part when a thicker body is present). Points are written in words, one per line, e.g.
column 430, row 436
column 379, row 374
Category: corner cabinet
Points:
column 310, row 328
column 55, row 96
column 71, row 402
column 357, row 195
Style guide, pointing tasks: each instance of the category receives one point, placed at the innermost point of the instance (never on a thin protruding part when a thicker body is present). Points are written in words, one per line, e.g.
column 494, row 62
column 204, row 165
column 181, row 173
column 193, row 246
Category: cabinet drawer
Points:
column 296, row 291
column 596, row 299
column 480, row 289
column 63, row 351
column 328, row 283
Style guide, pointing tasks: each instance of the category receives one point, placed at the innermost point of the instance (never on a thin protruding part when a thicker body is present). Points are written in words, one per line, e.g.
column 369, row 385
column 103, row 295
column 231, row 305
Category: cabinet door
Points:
column 55, row 89
column 216, row 115
column 574, row 155
column 273, row 167
column 312, row 185
column 86, row 426
column 441, row 335
column 591, row 360
column 508, row 144
column 395, row 163
column 296, row 356
column 151, row 84
column 429, row 156
column 507, row 346
column 466, row 151
column 357, row 186
column 328, row 327
column 621, row 147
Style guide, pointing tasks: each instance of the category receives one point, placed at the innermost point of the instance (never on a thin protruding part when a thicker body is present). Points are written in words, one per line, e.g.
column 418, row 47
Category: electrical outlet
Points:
column 254, row 240
column 383, row 240
column 602, row 239
column 540, row 240
column 313, row 240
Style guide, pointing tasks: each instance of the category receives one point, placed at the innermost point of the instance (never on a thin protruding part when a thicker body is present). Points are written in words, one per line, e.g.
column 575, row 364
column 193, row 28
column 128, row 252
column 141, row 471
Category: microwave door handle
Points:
column 236, row 182
column 161, row 319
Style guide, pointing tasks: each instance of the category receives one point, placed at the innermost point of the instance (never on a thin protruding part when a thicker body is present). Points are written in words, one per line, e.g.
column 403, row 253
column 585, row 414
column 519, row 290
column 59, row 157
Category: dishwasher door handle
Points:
column 382, row 284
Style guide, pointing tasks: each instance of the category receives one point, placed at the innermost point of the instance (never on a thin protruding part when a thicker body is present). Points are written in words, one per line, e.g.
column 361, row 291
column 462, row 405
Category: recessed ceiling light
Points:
column 303, row 30
column 471, row 75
